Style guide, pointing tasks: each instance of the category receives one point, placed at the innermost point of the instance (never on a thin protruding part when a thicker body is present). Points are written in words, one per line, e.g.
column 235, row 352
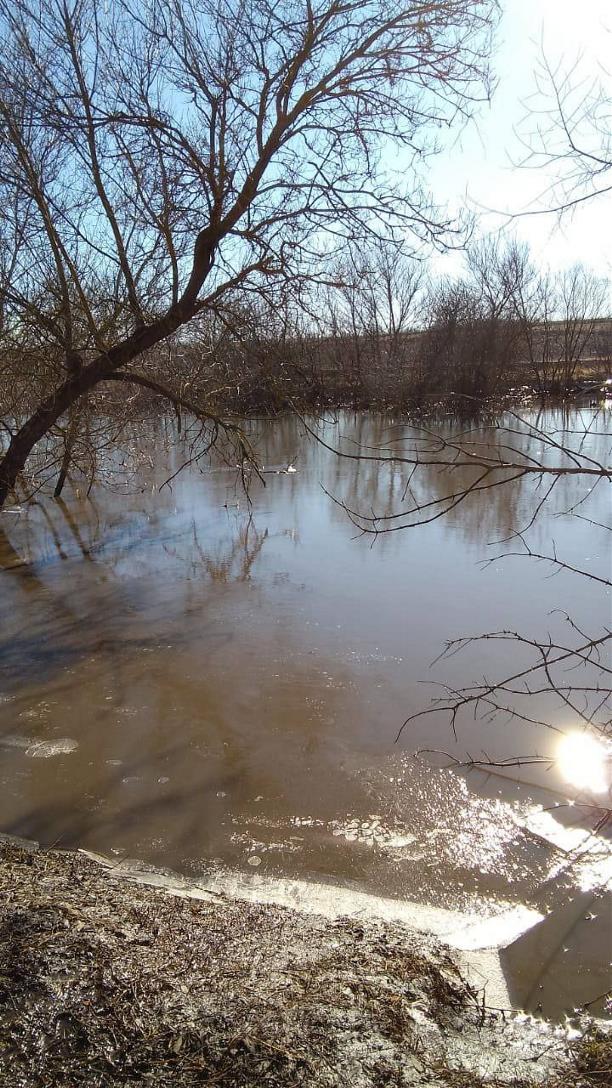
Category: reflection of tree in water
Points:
column 370, row 487
column 112, row 606
column 384, row 489
column 137, row 554
column 163, row 453
column 236, row 565
column 46, row 625
column 166, row 686
column 10, row 558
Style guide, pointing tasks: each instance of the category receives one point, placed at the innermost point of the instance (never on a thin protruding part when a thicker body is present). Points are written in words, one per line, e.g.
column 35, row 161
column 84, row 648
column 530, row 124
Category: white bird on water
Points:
column 289, row 468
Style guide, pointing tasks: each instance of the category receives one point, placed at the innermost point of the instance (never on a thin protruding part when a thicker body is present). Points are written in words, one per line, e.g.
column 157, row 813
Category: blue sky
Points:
column 480, row 164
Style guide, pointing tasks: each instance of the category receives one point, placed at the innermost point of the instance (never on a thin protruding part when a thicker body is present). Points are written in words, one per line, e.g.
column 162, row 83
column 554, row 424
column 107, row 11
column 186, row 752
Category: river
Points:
column 202, row 679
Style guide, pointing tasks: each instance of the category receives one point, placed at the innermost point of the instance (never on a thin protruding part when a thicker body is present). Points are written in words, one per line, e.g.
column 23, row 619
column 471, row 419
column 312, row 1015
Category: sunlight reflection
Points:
column 584, row 762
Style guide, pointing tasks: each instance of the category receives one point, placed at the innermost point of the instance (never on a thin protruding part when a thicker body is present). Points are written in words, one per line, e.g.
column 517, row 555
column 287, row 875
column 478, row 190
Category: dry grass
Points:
column 590, row 1061
column 106, row 983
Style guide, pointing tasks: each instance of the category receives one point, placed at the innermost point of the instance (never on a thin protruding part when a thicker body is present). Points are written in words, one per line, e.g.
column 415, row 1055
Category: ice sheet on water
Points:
column 46, row 749
column 40, row 749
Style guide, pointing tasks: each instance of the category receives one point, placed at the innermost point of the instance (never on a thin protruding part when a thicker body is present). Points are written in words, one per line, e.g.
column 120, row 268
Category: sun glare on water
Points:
column 584, row 762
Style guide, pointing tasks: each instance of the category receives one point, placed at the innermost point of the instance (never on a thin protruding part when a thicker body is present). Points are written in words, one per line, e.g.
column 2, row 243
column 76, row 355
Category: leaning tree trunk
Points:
column 24, row 440
column 79, row 384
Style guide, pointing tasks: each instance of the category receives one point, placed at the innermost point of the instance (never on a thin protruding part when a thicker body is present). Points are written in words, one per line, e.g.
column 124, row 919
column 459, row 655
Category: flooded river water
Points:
column 205, row 682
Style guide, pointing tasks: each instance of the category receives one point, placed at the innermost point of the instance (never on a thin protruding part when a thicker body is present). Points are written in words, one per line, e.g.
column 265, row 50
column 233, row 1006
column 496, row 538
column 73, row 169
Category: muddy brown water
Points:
column 198, row 680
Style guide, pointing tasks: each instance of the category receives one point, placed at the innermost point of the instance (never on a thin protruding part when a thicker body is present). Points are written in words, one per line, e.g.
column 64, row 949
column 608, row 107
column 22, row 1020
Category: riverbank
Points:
column 108, row 982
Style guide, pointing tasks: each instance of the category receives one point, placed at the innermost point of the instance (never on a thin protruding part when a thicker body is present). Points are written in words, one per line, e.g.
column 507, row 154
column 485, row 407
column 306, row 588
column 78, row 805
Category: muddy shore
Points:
column 108, row 982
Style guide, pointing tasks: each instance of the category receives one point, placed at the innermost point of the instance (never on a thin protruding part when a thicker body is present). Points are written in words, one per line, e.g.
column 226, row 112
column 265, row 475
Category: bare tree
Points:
column 568, row 128
column 157, row 157
column 582, row 301
column 556, row 315
column 535, row 303
column 471, row 341
column 366, row 315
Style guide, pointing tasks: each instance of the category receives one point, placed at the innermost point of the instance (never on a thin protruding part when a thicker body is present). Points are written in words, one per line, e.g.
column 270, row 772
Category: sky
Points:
column 479, row 168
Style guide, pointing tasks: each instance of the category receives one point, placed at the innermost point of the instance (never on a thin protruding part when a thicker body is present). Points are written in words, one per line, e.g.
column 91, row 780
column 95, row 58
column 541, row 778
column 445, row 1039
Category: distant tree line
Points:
column 380, row 333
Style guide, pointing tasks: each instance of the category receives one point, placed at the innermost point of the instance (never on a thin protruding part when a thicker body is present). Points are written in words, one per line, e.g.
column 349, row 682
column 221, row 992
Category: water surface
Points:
column 199, row 679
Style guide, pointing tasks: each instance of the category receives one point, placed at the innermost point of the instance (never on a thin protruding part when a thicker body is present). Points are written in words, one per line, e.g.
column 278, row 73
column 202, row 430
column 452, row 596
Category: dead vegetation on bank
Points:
column 103, row 983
